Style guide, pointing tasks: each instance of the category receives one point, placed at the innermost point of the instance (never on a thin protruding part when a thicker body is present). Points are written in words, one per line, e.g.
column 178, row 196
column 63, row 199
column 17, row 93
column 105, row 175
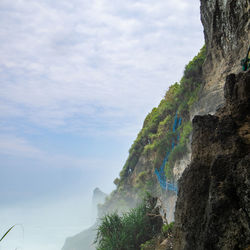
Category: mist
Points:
column 45, row 224
column 49, row 204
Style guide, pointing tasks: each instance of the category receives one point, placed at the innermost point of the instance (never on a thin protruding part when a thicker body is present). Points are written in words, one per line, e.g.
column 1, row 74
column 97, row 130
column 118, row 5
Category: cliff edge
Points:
column 227, row 35
column 213, row 205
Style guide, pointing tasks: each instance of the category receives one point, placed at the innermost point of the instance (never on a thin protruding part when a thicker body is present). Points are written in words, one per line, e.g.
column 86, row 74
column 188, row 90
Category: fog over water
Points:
column 45, row 219
column 77, row 79
column 44, row 224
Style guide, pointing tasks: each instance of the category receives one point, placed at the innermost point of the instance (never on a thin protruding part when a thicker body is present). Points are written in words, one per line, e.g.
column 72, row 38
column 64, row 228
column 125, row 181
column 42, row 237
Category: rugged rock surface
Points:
column 213, row 205
column 97, row 198
column 227, row 36
column 123, row 200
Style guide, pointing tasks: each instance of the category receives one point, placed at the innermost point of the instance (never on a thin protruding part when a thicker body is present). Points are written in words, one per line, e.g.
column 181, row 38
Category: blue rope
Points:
column 161, row 176
column 179, row 123
column 175, row 122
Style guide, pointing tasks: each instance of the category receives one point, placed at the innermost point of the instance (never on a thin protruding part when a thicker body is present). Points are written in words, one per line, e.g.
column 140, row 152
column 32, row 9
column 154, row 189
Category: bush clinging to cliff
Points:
column 130, row 230
column 157, row 135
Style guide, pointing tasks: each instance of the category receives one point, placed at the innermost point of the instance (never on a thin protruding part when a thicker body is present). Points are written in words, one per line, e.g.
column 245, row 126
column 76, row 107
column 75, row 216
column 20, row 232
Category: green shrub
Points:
column 167, row 228
column 150, row 244
column 194, row 97
column 185, row 133
column 194, row 67
column 168, row 171
column 128, row 231
column 141, row 179
column 116, row 181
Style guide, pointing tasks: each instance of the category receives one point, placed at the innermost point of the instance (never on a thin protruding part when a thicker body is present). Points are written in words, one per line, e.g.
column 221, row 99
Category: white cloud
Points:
column 15, row 146
column 21, row 148
column 62, row 61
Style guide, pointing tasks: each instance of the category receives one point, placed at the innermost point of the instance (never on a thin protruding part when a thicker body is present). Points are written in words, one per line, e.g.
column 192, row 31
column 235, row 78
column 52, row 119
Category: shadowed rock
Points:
column 213, row 205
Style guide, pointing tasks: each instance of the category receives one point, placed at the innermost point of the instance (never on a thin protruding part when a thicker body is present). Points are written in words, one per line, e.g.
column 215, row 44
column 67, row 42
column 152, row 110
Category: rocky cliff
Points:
column 161, row 150
column 227, row 34
column 213, row 200
column 226, row 30
column 213, row 205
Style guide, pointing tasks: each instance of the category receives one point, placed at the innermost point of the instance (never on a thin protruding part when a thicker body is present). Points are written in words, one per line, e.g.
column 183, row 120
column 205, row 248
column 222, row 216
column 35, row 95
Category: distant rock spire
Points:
column 97, row 198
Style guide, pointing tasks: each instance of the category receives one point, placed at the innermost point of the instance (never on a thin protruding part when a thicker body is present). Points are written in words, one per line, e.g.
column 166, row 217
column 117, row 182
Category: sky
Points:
column 77, row 79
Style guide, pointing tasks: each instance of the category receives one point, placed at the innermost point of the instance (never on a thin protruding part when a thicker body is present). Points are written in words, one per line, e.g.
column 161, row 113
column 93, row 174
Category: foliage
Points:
column 116, row 181
column 167, row 228
column 7, row 233
column 168, row 171
column 155, row 139
column 156, row 135
column 142, row 188
column 178, row 152
column 180, row 149
column 128, row 231
column 150, row 244
column 141, row 178
column 193, row 98
column 185, row 132
column 194, row 67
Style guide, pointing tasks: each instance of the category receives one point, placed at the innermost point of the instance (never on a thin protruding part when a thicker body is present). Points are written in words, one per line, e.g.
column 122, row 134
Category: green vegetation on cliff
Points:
column 156, row 138
column 130, row 230
column 156, row 134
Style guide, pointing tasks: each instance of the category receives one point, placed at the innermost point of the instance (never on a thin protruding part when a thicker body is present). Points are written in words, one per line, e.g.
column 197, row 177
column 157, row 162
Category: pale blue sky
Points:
column 77, row 79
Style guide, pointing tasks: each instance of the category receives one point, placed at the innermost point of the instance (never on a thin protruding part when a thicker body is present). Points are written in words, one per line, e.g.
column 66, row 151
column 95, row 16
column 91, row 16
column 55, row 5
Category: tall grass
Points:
column 129, row 231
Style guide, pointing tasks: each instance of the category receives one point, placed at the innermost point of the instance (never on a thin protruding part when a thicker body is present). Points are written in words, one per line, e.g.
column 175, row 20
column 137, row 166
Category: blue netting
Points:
column 179, row 123
column 175, row 122
column 161, row 179
column 173, row 145
column 160, row 173
column 178, row 138
column 172, row 187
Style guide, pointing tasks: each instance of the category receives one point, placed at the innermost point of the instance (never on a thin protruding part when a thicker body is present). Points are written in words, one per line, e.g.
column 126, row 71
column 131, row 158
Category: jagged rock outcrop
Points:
column 97, row 198
column 227, row 36
column 85, row 239
column 213, row 205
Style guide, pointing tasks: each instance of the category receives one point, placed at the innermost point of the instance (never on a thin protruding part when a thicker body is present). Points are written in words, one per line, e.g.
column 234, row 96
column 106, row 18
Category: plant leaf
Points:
column 6, row 233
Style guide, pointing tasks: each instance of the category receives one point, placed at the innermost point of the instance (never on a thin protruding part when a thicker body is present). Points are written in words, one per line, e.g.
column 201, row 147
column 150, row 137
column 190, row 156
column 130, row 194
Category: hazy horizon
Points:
column 77, row 80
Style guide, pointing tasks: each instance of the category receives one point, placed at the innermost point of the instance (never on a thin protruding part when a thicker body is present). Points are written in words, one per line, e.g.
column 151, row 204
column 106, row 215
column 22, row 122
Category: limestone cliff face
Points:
column 182, row 163
column 213, row 205
column 227, row 36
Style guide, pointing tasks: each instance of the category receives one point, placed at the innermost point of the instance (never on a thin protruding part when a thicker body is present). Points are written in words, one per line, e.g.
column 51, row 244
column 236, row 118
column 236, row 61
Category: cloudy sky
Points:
column 77, row 79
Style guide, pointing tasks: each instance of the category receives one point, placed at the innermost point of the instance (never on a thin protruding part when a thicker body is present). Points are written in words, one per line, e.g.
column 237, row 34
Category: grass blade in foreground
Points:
column 6, row 233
